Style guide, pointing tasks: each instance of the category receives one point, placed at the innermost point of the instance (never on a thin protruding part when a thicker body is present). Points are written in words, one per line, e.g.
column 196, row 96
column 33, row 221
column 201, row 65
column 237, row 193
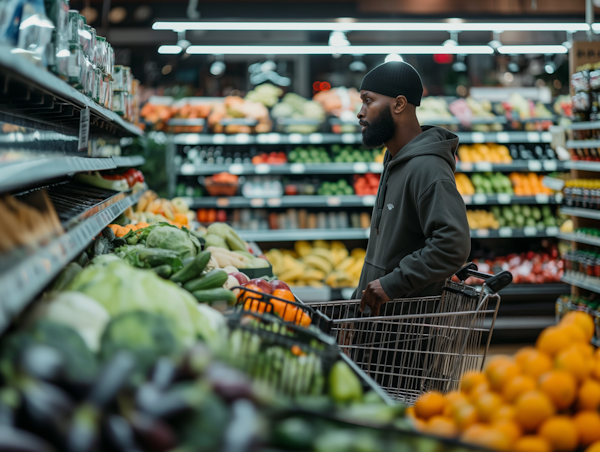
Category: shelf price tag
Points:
column 477, row 137
column 546, row 137
column 274, row 202
column 262, row 168
column 467, row 200
column 483, row 166
column 360, row 167
column 534, row 165
column 187, row 169
column 552, row 231
column 295, row 138
column 348, row 138
column 533, row 137
column 542, row 199
column 549, row 165
column 257, row 202
column 502, row 137
column 236, row 168
column 479, row 198
column 465, row 166
column 368, row 200
column 376, row 167
column 297, row 168
column 219, row 138
column 222, row 202
column 84, row 129
column 503, row 198
column 334, row 201
column 273, row 138
column 242, row 138
column 558, row 198
column 530, row 231
column 315, row 138
column 482, row 233
column 505, row 232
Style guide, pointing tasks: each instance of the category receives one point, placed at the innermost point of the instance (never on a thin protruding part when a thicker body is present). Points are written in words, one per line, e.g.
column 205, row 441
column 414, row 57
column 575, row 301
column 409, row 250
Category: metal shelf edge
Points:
column 588, row 240
column 582, row 165
column 29, row 276
column 580, row 212
column 581, row 284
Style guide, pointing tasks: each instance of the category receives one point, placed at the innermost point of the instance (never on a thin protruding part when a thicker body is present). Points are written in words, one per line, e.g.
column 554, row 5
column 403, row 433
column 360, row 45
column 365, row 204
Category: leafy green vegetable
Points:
column 212, row 326
column 172, row 238
column 121, row 288
column 130, row 254
column 147, row 336
column 104, row 259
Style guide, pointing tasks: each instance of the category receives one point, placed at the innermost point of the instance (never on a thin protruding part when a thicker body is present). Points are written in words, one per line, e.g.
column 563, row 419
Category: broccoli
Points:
column 147, row 336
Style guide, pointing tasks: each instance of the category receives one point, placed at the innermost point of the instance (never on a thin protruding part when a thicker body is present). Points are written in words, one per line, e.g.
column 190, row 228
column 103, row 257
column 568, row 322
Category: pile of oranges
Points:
column 528, row 184
column 544, row 399
column 287, row 311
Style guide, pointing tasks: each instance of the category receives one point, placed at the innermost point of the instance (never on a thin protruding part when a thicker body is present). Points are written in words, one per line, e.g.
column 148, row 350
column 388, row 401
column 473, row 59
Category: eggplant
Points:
column 14, row 440
column 178, row 400
column 43, row 363
column 113, row 377
column 153, row 434
column 163, row 373
column 120, row 435
column 197, row 359
column 229, row 383
column 84, row 431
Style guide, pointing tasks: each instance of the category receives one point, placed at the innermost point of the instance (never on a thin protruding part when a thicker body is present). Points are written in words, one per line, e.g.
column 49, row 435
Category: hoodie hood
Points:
column 433, row 141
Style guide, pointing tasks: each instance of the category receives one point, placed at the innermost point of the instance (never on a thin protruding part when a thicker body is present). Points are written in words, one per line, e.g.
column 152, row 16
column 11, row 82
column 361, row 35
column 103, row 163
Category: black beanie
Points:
column 393, row 79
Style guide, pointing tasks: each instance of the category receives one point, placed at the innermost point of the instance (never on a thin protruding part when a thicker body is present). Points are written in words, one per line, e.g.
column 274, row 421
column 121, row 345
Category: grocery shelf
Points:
column 189, row 169
column 582, row 144
column 347, row 138
column 582, row 213
column 34, row 97
column 311, row 294
column 291, row 235
column 514, row 232
column 24, row 278
column 480, row 199
column 186, row 122
column 535, row 289
column 587, row 125
column 582, row 283
column 582, row 165
column 23, row 172
column 580, row 238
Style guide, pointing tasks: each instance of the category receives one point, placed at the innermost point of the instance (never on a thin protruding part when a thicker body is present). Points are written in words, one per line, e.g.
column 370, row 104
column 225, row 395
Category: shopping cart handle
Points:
column 494, row 283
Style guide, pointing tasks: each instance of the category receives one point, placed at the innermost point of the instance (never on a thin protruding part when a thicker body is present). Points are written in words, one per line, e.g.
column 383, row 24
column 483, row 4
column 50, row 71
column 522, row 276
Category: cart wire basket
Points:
column 422, row 344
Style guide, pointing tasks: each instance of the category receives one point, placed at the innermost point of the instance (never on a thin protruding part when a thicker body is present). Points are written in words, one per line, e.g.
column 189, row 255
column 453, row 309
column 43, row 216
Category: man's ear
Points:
column 400, row 104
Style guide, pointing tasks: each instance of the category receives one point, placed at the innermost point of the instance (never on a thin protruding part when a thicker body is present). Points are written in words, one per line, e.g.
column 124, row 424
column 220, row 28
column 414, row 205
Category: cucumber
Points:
column 164, row 271
column 193, row 269
column 210, row 296
column 66, row 276
column 211, row 280
column 157, row 256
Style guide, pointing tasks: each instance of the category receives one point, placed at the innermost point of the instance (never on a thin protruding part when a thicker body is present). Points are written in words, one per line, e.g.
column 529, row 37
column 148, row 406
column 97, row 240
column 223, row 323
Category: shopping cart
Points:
column 421, row 344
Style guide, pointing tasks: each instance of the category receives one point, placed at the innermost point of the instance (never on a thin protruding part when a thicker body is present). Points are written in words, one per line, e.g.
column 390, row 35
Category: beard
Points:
column 380, row 130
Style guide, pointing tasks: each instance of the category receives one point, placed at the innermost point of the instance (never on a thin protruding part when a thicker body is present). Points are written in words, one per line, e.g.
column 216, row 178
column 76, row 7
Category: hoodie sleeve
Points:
column 442, row 215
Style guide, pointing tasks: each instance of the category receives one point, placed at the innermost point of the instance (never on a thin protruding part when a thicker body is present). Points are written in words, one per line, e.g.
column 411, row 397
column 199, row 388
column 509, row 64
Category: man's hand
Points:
column 373, row 296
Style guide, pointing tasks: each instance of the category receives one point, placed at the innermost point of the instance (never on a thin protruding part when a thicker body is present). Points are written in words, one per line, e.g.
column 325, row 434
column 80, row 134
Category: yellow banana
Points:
column 337, row 245
column 320, row 244
column 322, row 252
column 314, row 283
column 319, row 263
column 345, row 264
column 303, row 248
column 311, row 273
column 339, row 255
column 292, row 274
column 358, row 252
column 289, row 263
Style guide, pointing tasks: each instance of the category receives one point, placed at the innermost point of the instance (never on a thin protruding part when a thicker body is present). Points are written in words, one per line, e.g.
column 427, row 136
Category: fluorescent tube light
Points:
column 170, row 50
column 532, row 50
column 372, row 26
column 328, row 50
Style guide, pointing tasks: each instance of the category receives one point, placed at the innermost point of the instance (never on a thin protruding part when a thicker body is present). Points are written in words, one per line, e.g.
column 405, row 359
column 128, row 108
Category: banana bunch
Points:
column 319, row 264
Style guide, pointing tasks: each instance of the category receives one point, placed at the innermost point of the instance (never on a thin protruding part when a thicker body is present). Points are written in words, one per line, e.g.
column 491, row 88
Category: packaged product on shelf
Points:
column 97, row 82
column 75, row 27
column 76, row 66
column 127, row 79
column 118, row 80
column 110, row 60
column 101, row 52
column 62, row 55
column 35, row 34
column 118, row 102
column 58, row 12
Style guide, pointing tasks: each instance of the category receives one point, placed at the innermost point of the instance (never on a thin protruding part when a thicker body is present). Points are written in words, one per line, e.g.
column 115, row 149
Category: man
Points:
column 419, row 231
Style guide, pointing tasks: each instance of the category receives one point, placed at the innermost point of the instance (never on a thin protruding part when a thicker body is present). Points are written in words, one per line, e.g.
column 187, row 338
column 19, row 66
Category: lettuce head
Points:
column 172, row 238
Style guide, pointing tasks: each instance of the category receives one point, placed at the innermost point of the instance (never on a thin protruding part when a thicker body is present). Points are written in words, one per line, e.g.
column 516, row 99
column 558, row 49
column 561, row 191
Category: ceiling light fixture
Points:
column 532, row 50
column 328, row 50
column 169, row 50
column 374, row 26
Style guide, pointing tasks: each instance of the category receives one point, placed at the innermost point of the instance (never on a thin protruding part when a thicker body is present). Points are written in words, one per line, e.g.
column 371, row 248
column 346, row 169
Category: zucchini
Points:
column 157, row 256
column 210, row 296
column 164, row 271
column 211, row 280
column 193, row 269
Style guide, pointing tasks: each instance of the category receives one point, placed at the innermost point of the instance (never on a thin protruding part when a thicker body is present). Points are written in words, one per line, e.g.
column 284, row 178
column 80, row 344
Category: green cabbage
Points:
column 172, row 238
column 121, row 288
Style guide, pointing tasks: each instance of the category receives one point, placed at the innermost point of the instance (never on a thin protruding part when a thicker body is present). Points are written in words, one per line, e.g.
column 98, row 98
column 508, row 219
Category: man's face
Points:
column 376, row 118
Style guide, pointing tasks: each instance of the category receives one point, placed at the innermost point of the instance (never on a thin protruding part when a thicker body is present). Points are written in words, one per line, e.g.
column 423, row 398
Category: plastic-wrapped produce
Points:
column 101, row 52
column 75, row 65
column 58, row 12
column 118, row 102
column 61, row 56
column 75, row 26
column 118, row 78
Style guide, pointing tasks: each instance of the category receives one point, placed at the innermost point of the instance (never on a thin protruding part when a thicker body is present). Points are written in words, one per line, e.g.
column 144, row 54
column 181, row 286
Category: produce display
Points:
column 582, row 193
column 295, row 114
column 319, row 264
column 526, row 268
column 224, row 117
column 471, row 113
column 519, row 184
column 514, row 216
column 271, row 158
column 584, row 303
column 339, row 188
column 494, row 153
column 434, row 109
column 583, row 264
column 367, row 184
column 544, row 398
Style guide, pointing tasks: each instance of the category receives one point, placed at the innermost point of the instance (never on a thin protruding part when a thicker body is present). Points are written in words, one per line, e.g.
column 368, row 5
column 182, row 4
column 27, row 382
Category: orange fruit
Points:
column 454, row 400
column 588, row 397
column 473, row 432
column 573, row 361
column 585, row 349
column 594, row 447
column 560, row 387
column 284, row 294
column 596, row 368
column 533, row 408
column 291, row 314
column 465, row 416
column 305, row 320
column 588, row 427
column 470, row 380
column 576, row 333
column 499, row 372
column 517, row 386
column 552, row 340
column 509, row 428
column 488, row 437
column 533, row 363
column 504, row 413
column 410, row 411
column 532, row 443
column 419, row 424
column 582, row 320
column 487, row 405
column 561, row 432
column 429, row 405
column 478, row 391
column 442, row 426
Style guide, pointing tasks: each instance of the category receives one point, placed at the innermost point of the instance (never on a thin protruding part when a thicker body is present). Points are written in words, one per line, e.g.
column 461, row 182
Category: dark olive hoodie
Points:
column 419, row 232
